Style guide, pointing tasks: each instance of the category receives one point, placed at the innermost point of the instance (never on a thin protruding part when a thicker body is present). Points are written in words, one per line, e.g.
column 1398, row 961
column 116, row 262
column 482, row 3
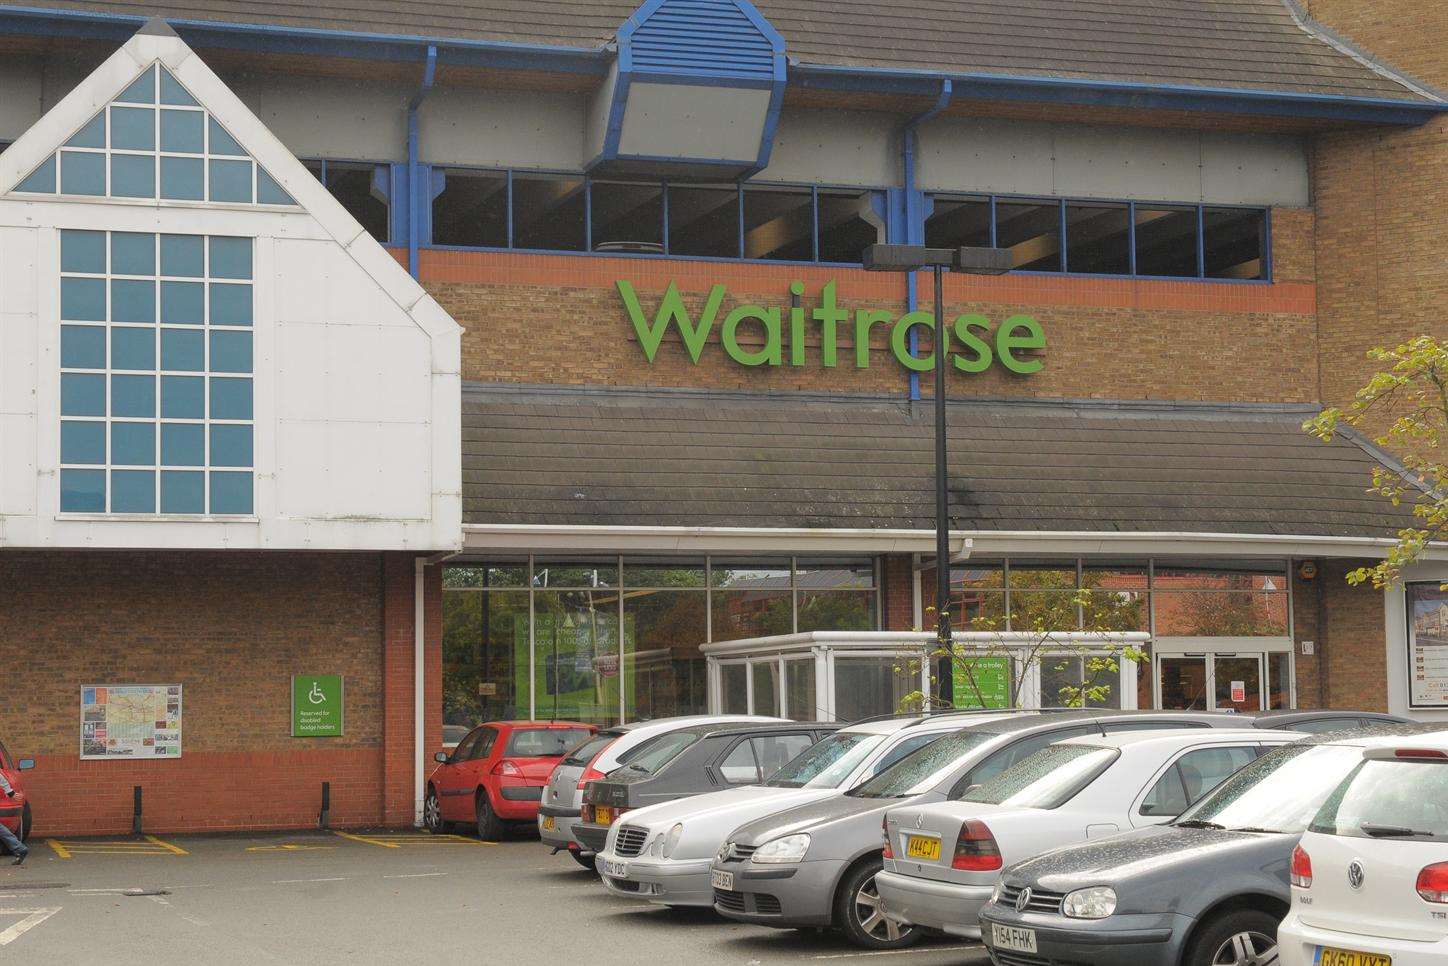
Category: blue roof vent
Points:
column 694, row 95
column 702, row 38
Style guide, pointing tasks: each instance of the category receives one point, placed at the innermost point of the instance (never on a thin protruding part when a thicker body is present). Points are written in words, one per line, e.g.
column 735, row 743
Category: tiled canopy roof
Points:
column 1244, row 44
column 677, row 458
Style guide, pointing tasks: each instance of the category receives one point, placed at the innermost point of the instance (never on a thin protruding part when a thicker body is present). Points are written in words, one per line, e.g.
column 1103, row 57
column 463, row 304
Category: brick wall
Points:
column 559, row 319
column 1349, row 667
column 1382, row 201
column 232, row 628
column 898, row 593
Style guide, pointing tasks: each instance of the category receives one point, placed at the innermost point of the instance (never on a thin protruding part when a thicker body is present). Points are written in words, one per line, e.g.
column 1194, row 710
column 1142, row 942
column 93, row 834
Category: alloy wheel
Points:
column 872, row 916
column 1247, row 949
column 432, row 812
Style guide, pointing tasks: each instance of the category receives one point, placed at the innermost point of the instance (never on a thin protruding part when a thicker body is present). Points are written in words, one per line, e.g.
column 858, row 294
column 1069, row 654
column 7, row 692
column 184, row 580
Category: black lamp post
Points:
column 972, row 261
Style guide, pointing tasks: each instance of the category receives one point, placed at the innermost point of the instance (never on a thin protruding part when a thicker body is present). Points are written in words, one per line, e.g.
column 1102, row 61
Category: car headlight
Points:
column 790, row 848
column 1097, row 902
column 723, row 853
column 671, row 841
column 995, row 893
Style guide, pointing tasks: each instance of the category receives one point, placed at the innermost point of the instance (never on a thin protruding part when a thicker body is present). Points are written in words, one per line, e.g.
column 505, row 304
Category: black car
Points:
column 690, row 761
column 1208, row 889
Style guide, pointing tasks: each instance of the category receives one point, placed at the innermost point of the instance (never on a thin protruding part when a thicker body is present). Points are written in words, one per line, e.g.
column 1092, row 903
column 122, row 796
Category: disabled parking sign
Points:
column 316, row 705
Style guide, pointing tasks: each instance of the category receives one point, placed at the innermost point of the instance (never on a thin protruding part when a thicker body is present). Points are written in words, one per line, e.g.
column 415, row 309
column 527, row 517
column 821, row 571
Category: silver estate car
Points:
column 815, row 865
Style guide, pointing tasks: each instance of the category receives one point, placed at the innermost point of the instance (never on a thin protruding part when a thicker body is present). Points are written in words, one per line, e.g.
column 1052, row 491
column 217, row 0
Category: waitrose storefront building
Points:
column 537, row 375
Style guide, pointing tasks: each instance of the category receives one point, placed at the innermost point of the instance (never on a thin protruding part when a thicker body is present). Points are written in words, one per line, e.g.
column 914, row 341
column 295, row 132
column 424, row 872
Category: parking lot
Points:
column 395, row 896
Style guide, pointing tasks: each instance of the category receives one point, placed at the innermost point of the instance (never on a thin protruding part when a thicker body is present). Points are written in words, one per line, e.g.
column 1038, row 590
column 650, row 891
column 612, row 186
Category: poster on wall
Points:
column 130, row 721
column 1427, row 646
column 982, row 682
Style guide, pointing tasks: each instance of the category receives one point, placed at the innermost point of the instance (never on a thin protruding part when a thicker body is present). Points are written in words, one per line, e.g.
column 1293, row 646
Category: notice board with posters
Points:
column 1427, row 646
column 130, row 721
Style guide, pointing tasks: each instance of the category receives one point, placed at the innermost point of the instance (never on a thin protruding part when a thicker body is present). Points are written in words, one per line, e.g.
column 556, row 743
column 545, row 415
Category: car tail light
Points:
column 590, row 774
column 976, row 849
column 1433, row 883
column 1301, row 868
column 885, row 831
column 1421, row 753
column 507, row 769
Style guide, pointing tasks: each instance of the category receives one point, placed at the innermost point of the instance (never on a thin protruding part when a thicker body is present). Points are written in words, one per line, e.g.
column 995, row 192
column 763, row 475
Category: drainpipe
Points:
column 419, row 678
column 915, row 216
column 429, row 71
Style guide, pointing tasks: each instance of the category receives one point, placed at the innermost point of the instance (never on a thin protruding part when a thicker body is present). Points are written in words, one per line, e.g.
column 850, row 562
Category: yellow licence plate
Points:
column 548, row 823
column 602, row 815
column 1328, row 956
column 922, row 847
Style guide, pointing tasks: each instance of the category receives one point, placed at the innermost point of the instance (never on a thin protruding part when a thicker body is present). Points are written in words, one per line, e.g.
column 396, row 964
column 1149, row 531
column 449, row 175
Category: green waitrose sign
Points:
column 978, row 344
column 316, row 705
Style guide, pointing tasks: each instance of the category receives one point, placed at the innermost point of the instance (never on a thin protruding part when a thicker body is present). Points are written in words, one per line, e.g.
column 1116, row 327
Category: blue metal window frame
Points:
column 1131, row 206
column 740, row 188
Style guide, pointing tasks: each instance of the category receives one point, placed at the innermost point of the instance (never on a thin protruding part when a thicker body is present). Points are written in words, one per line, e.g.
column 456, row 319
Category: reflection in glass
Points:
column 867, row 686
column 733, row 688
column 1184, row 683
column 664, row 670
column 766, row 687
column 483, row 634
column 1221, row 614
column 577, row 655
column 799, row 681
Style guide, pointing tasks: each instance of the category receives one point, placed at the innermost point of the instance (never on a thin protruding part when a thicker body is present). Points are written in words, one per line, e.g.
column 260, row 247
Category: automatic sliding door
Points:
column 1183, row 683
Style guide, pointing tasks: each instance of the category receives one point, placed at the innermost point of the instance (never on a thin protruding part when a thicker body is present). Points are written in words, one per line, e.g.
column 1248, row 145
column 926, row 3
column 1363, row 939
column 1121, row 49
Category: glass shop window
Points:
column 627, row 217
column 704, row 221
column 1032, row 231
column 362, row 189
column 1098, row 238
column 1234, row 241
column 848, row 224
column 779, row 223
column 1166, row 240
column 959, row 222
column 471, row 210
column 548, row 212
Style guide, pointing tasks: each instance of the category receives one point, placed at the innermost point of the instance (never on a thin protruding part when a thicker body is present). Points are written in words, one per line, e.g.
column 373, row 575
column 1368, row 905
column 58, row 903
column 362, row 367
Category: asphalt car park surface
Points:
column 397, row 897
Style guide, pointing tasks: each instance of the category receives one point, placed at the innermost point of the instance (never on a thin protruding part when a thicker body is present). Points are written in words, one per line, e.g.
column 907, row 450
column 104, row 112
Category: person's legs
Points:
column 12, row 844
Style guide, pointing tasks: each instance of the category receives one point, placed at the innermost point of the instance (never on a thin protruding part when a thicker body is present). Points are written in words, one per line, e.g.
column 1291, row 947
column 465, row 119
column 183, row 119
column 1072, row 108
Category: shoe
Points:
column 20, row 859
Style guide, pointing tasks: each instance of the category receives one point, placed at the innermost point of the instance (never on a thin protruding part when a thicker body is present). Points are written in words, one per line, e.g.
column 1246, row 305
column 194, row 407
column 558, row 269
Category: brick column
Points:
column 897, row 593
column 398, row 617
column 1306, row 602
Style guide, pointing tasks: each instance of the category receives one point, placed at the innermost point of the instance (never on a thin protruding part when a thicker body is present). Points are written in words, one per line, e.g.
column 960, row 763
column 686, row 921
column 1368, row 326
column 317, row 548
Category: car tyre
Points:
column 587, row 861
column 25, row 823
column 490, row 827
column 860, row 917
column 1246, row 937
column 432, row 813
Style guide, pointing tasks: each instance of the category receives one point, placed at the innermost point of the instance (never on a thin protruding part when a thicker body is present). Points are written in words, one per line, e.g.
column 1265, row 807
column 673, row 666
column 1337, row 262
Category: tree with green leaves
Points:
column 1405, row 403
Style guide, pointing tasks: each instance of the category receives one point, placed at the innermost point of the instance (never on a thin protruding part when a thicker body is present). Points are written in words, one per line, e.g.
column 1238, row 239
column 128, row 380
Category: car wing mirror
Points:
column 441, row 757
column 25, row 764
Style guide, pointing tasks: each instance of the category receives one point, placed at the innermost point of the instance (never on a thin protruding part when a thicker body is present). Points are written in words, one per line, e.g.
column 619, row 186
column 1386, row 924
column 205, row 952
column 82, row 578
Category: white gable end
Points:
column 199, row 347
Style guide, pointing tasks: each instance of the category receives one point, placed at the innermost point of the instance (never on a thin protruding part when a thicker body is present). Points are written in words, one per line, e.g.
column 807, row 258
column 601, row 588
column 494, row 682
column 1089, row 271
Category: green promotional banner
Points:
column 316, row 705
column 982, row 682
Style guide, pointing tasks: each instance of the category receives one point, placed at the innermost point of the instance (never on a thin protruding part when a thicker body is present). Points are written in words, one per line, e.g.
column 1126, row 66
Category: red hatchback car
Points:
column 496, row 774
column 15, row 812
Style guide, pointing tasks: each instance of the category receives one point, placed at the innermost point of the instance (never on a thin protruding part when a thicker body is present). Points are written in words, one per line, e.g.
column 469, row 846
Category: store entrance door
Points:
column 1214, row 681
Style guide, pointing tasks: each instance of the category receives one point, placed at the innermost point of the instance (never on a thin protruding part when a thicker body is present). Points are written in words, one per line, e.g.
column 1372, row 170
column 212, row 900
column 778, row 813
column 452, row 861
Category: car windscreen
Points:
column 657, row 752
column 581, row 756
column 921, row 771
column 544, row 742
column 1279, row 792
column 1047, row 779
column 826, row 763
column 1389, row 800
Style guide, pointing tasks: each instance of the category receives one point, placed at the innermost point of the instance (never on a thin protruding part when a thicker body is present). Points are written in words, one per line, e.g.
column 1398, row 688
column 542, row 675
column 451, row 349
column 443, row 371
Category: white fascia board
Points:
column 530, row 537
column 985, row 543
column 913, row 640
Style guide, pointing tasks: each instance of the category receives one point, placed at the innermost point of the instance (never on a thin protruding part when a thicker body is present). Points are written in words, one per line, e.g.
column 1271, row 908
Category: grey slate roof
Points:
column 539, row 455
column 1250, row 44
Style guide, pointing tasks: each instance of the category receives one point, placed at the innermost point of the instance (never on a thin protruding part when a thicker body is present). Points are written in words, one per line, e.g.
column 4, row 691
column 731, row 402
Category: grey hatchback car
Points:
column 1209, row 889
column 690, row 761
column 815, row 865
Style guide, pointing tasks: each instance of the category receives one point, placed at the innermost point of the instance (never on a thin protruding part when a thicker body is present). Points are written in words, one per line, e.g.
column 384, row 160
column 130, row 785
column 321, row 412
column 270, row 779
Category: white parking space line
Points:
column 914, row 951
column 340, row 878
column 415, row 875
column 33, row 918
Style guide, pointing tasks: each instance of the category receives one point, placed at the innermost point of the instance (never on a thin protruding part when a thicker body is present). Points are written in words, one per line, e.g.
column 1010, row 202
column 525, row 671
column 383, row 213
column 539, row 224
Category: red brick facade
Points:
column 231, row 628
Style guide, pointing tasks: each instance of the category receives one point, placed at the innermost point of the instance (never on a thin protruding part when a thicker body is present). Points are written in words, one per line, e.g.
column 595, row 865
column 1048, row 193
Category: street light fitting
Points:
column 912, row 258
